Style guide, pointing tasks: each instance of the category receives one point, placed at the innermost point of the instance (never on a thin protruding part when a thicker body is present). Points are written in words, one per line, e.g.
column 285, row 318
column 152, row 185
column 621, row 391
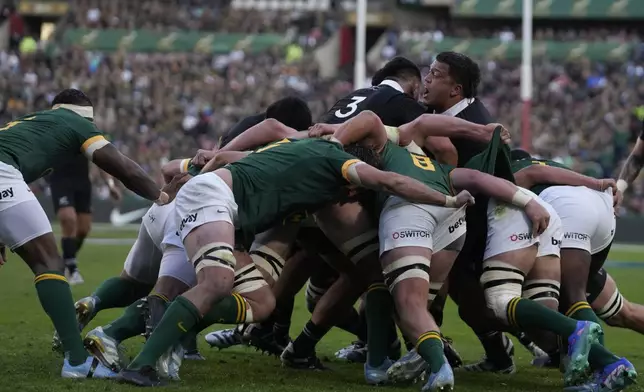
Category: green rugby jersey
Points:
column 523, row 163
column 285, row 178
column 39, row 141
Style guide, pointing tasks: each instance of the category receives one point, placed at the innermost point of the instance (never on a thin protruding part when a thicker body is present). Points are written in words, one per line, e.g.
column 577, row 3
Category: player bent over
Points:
column 268, row 185
column 29, row 147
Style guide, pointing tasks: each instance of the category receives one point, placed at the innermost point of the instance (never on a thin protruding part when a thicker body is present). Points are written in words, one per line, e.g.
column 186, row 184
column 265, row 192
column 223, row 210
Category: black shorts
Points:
column 72, row 192
column 595, row 285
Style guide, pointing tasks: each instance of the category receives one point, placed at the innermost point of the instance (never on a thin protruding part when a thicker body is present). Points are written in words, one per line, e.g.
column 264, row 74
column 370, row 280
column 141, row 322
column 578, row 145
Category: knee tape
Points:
column 361, row 246
column 407, row 267
column 244, row 310
column 248, row 279
column 313, row 295
column 501, row 282
column 217, row 254
column 434, row 289
column 612, row 307
column 267, row 260
column 541, row 290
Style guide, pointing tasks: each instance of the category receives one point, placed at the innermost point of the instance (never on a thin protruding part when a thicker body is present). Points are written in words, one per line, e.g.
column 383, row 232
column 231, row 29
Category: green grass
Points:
column 28, row 364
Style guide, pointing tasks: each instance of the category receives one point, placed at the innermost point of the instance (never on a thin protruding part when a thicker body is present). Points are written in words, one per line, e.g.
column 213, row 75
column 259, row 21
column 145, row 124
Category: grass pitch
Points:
column 27, row 363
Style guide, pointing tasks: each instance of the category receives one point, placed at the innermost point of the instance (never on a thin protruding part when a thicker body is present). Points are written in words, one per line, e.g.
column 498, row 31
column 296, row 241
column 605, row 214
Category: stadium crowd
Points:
column 160, row 106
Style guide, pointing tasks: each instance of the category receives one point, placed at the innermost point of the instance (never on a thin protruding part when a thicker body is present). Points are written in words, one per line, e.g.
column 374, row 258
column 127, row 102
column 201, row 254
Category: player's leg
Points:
column 208, row 236
column 611, row 306
column 66, row 215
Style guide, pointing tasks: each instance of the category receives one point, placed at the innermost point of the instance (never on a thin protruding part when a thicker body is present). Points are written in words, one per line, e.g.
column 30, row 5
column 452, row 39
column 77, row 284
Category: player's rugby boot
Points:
column 504, row 364
column 147, row 376
column 91, row 368
column 262, row 338
column 613, row 378
column 291, row 359
column 377, row 375
column 75, row 278
column 355, row 352
column 105, row 349
column 453, row 357
column 441, row 381
column 225, row 338
column 408, row 368
column 168, row 364
column 85, row 313
column 579, row 343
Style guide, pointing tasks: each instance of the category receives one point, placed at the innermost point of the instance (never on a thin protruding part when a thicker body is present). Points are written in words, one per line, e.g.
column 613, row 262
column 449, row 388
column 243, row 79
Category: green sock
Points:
column 583, row 311
column 117, row 292
column 189, row 341
column 180, row 317
column 430, row 346
column 130, row 324
column 526, row 314
column 56, row 299
column 600, row 357
column 229, row 310
column 379, row 307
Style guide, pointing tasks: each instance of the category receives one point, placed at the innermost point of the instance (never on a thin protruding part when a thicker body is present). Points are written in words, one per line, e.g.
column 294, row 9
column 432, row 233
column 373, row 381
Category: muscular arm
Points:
column 442, row 148
column 634, row 163
column 541, row 174
column 477, row 182
column 263, row 133
column 124, row 169
column 365, row 128
column 173, row 168
column 432, row 125
column 223, row 158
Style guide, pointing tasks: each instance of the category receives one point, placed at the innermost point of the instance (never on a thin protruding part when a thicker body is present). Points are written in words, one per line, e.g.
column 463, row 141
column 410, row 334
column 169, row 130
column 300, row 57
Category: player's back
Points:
column 39, row 141
column 393, row 107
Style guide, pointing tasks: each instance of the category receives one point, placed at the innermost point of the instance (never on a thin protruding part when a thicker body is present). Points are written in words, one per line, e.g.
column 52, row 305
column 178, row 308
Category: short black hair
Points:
column 463, row 70
column 291, row 111
column 365, row 154
column 400, row 68
column 71, row 96
column 519, row 154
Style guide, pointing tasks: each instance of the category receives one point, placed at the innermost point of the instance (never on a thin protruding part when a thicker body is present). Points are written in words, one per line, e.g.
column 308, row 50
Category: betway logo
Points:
column 6, row 193
column 456, row 225
column 118, row 219
column 188, row 219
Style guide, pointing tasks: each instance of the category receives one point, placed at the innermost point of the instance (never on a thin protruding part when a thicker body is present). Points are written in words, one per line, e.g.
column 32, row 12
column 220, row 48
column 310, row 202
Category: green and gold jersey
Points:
column 285, row 178
column 523, row 163
column 39, row 141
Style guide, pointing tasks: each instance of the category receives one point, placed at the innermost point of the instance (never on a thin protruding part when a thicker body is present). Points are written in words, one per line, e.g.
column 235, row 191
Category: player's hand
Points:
column 203, row 157
column 618, row 198
column 319, row 130
column 505, row 134
column 606, row 183
column 538, row 215
column 173, row 186
column 464, row 198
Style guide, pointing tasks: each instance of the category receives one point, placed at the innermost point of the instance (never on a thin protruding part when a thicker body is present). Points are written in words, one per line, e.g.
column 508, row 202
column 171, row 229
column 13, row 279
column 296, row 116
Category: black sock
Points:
column 496, row 346
column 69, row 252
column 79, row 243
column 281, row 317
column 305, row 344
column 436, row 309
column 352, row 325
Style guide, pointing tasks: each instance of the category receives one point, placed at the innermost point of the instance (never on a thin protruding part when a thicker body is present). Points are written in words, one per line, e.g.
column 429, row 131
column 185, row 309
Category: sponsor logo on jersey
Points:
column 411, row 234
column 5, row 193
column 576, row 236
column 188, row 219
column 456, row 225
column 118, row 219
column 555, row 242
column 520, row 237
column 63, row 201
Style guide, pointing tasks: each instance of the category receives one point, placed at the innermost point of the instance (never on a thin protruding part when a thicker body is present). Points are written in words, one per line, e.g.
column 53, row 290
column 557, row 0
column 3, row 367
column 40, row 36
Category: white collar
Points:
column 83, row 111
column 458, row 107
column 392, row 84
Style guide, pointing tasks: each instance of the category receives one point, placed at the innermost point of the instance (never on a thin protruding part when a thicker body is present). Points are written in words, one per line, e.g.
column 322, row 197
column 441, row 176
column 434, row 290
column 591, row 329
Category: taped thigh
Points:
column 361, row 246
column 268, row 260
column 248, row 279
column 541, row 290
column 407, row 267
column 501, row 283
column 216, row 254
column 612, row 307
column 175, row 264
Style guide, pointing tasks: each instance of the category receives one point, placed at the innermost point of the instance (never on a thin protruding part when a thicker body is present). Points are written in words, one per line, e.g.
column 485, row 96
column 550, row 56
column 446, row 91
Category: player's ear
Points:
column 457, row 89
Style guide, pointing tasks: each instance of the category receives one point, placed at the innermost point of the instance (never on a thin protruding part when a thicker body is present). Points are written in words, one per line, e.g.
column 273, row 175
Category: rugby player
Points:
column 269, row 185
column 632, row 167
column 71, row 194
column 29, row 147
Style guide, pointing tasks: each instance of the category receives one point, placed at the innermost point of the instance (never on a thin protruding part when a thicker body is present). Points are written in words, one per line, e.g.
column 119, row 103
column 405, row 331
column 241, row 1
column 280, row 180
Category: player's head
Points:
column 74, row 98
column 519, row 154
column 292, row 112
column 365, row 154
column 403, row 71
column 452, row 77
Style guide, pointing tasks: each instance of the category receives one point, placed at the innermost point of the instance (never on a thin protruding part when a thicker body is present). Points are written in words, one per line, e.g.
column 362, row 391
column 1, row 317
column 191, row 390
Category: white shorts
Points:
column 203, row 199
column 586, row 215
column 21, row 216
column 144, row 259
column 509, row 229
column 160, row 222
column 427, row 226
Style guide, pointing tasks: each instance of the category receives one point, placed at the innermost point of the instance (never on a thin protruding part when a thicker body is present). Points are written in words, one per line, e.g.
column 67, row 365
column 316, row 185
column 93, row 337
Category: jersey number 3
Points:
column 423, row 162
column 353, row 106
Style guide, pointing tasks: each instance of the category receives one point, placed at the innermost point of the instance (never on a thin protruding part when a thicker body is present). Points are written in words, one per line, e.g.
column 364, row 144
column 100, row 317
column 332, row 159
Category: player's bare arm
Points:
column 429, row 125
column 263, row 133
column 477, row 182
column 366, row 128
column 223, row 158
column 361, row 174
column 442, row 148
column 542, row 174
column 632, row 166
column 108, row 158
column 173, row 168
column 115, row 192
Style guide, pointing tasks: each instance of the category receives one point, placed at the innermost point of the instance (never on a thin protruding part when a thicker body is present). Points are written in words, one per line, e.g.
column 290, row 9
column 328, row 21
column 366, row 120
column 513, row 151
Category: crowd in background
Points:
column 156, row 107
